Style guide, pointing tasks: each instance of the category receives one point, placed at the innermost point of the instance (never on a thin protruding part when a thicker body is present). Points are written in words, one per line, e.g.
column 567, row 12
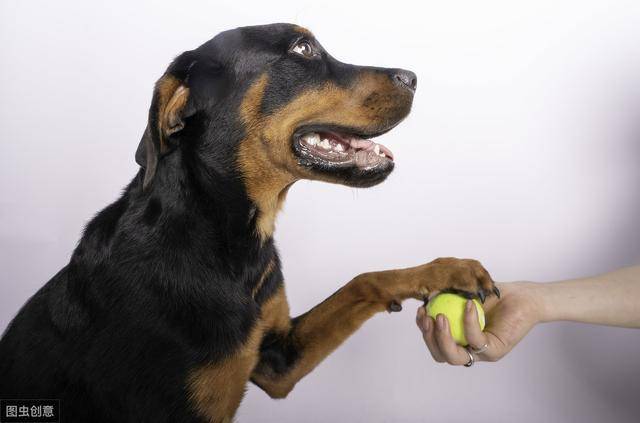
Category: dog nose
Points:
column 406, row 79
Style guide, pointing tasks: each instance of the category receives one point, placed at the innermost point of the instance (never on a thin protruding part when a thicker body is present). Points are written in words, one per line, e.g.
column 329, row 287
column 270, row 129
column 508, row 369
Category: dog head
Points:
column 270, row 105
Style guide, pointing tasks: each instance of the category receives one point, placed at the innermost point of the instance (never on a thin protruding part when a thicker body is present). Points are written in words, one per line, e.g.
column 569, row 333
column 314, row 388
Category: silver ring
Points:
column 479, row 350
column 471, row 359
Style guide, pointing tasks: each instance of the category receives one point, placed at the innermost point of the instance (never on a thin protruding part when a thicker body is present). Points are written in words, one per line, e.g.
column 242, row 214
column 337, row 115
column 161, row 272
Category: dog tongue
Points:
column 364, row 158
column 368, row 145
column 361, row 143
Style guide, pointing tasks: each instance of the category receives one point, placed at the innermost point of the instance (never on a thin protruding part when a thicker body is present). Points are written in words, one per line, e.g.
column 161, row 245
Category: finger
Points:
column 430, row 340
column 426, row 325
column 420, row 314
column 453, row 353
column 476, row 338
column 496, row 347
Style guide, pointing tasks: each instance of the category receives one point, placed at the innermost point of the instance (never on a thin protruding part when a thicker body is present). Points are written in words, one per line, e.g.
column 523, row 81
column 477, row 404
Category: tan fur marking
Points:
column 303, row 30
column 267, row 271
column 368, row 104
column 217, row 389
column 317, row 333
column 322, row 329
column 171, row 118
column 172, row 97
column 275, row 312
column 265, row 157
column 266, row 188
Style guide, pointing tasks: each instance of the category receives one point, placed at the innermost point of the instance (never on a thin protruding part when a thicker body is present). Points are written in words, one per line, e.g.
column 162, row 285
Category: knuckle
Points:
column 492, row 358
column 435, row 354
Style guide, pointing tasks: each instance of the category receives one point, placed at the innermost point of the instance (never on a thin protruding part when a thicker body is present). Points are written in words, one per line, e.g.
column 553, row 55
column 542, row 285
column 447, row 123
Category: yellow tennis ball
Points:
column 452, row 306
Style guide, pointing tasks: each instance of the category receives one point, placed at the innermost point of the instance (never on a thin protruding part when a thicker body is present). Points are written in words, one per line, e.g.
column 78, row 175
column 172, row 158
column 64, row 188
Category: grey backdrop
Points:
column 522, row 151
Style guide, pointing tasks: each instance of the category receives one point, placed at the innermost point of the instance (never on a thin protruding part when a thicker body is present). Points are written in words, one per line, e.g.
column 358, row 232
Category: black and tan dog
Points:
column 174, row 299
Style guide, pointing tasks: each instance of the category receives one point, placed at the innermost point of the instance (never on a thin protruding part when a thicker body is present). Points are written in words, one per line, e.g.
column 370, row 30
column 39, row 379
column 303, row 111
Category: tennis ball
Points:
column 452, row 306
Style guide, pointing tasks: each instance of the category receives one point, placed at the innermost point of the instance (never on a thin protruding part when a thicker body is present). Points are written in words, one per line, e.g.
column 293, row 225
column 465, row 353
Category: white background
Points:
column 522, row 151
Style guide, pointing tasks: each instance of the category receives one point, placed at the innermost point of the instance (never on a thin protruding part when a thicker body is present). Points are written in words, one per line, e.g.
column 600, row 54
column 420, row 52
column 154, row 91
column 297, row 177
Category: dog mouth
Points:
column 334, row 148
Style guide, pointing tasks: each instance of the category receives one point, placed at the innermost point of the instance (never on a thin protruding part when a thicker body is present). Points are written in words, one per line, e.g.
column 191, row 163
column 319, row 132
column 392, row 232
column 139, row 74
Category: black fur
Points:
column 161, row 279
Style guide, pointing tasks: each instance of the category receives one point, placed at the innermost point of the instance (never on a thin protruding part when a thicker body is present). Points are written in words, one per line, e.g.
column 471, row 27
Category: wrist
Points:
column 542, row 298
column 367, row 288
column 532, row 300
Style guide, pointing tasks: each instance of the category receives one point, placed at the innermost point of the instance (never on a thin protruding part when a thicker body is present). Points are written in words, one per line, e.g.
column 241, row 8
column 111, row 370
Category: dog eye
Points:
column 303, row 48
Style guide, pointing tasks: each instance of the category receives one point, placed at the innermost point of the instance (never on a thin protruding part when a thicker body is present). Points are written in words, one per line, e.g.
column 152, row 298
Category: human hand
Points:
column 508, row 321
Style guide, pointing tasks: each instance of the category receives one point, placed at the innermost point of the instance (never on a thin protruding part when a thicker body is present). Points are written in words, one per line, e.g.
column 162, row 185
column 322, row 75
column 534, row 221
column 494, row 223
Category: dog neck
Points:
column 239, row 205
column 266, row 179
column 268, row 196
column 201, row 199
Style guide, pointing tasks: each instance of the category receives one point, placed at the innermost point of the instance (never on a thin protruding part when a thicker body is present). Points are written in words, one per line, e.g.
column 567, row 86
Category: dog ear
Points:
column 170, row 107
column 147, row 157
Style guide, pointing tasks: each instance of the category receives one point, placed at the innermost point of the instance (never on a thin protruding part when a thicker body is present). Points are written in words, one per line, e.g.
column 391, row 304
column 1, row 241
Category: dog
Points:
column 174, row 300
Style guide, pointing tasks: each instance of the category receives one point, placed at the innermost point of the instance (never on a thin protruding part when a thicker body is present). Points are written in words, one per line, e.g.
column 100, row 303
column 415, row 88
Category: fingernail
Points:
column 467, row 306
column 440, row 321
column 421, row 312
column 427, row 325
column 420, row 319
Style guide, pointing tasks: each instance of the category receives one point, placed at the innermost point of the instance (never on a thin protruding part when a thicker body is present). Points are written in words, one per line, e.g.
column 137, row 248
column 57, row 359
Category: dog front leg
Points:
column 292, row 349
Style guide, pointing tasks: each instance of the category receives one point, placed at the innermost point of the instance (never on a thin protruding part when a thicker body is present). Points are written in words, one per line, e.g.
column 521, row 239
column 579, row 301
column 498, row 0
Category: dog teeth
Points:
column 312, row 138
column 377, row 150
column 338, row 147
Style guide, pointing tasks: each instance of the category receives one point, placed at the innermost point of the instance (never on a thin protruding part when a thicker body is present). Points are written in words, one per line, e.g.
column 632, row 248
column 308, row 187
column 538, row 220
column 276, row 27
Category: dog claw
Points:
column 394, row 306
column 496, row 291
column 482, row 296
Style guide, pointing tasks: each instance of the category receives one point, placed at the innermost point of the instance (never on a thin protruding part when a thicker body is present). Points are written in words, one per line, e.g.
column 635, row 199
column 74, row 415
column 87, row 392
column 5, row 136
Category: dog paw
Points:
column 465, row 277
